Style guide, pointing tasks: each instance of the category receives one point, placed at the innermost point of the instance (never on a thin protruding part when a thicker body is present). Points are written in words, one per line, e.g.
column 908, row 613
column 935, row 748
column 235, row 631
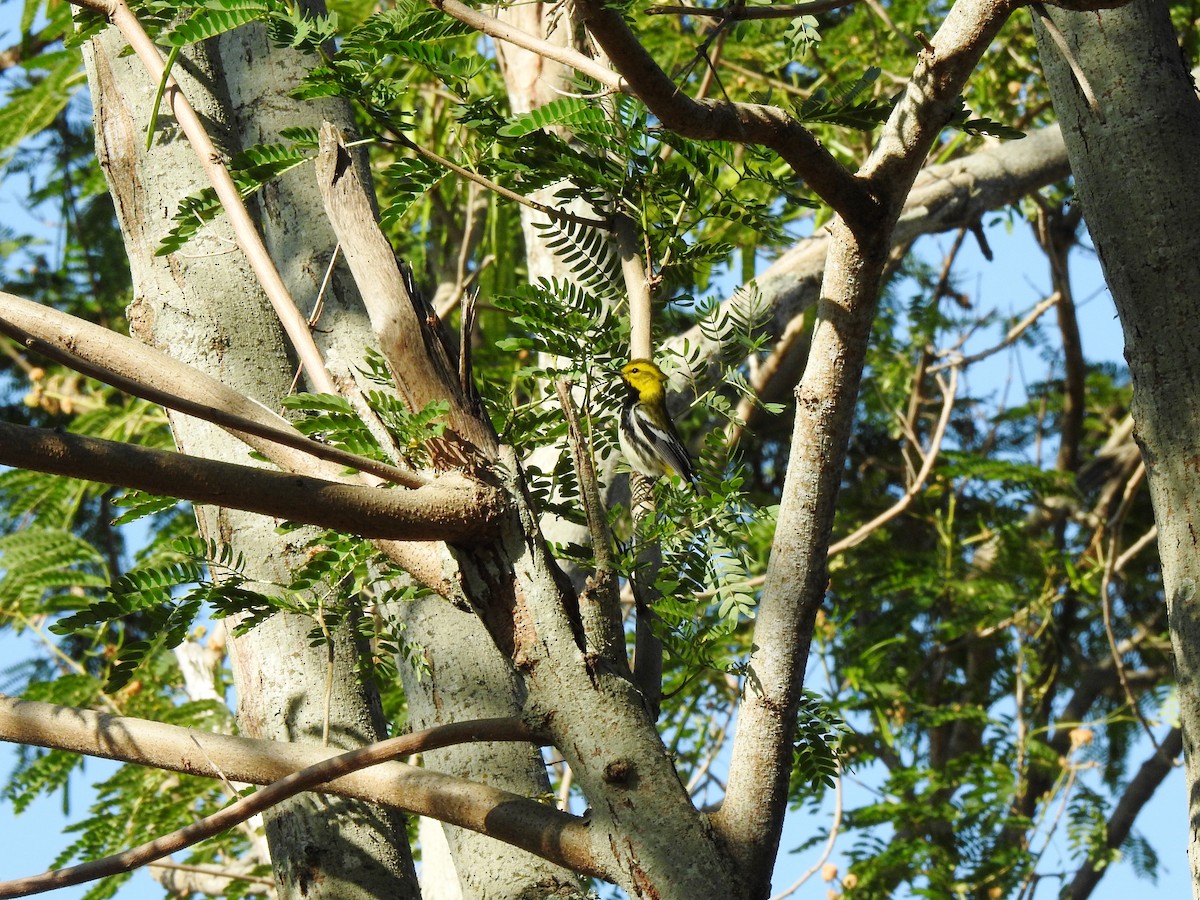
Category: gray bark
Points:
column 204, row 307
column 471, row 680
column 1134, row 164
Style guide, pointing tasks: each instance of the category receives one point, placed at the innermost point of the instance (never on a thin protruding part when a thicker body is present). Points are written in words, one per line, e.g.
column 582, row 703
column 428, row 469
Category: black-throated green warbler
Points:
column 646, row 433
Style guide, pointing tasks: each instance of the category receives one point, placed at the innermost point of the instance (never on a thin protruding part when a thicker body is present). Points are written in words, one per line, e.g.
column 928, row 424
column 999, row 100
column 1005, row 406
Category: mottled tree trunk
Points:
column 1134, row 165
column 204, row 307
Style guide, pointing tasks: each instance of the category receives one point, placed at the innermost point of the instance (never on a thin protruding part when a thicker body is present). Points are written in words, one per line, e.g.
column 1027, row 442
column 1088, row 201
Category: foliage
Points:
column 952, row 634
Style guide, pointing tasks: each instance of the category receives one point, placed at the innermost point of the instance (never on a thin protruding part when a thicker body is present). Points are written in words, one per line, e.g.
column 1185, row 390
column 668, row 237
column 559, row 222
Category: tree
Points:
column 964, row 652
column 1151, row 279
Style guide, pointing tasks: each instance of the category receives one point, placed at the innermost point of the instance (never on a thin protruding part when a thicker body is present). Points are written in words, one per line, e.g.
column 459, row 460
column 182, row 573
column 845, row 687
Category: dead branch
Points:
column 409, row 334
column 599, row 609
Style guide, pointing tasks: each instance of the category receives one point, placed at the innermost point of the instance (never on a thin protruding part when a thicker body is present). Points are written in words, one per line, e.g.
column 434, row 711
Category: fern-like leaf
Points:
column 574, row 113
column 588, row 254
column 207, row 22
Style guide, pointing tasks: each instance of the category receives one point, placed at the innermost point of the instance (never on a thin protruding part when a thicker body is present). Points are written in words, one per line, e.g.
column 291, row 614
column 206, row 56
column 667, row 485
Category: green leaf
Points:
column 842, row 106
column 28, row 110
column 574, row 113
column 407, row 181
column 982, row 125
column 207, row 22
column 250, row 169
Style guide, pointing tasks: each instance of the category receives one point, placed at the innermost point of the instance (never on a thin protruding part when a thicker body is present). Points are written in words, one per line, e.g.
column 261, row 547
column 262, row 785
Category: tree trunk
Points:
column 1133, row 161
column 205, row 308
column 471, row 680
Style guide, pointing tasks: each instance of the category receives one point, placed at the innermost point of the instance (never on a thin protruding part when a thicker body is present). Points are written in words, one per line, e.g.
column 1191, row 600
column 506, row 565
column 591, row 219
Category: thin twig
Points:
column 501, row 30
column 776, row 83
column 352, row 392
column 588, row 481
column 942, row 288
column 710, row 71
column 1031, row 879
column 318, row 308
column 327, row 705
column 1135, row 548
column 1114, row 526
column 466, row 331
column 549, row 211
column 916, row 403
column 1013, row 334
column 67, row 662
column 825, row 853
column 465, row 246
column 930, row 457
column 598, row 604
column 716, row 743
column 1022, row 742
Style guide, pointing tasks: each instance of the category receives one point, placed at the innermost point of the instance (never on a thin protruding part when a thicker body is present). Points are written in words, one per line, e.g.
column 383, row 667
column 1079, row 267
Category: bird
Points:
column 646, row 434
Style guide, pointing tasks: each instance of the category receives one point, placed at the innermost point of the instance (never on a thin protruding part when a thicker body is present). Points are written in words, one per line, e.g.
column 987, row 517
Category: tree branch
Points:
column 463, row 512
column 141, row 370
column 931, row 98
column 751, row 816
column 409, row 335
column 950, row 195
column 128, row 363
column 289, row 769
column 1136, row 795
column 501, row 30
column 747, row 123
column 641, row 76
